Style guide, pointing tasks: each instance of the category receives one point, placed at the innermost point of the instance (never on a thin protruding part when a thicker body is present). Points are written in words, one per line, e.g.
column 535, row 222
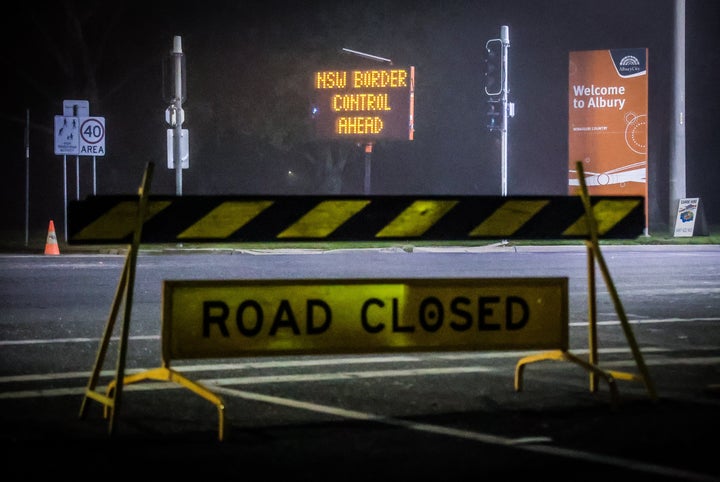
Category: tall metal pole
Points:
column 77, row 160
column 77, row 178
column 65, row 196
column 177, row 101
column 499, row 96
column 505, row 40
column 27, row 176
column 677, row 159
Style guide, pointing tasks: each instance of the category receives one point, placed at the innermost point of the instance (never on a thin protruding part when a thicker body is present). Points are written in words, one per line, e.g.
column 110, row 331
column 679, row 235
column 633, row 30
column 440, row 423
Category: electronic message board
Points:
column 364, row 104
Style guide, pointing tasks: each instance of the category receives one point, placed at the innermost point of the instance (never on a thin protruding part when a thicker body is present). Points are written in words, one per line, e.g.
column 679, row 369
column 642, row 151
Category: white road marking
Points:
column 530, row 443
column 45, row 341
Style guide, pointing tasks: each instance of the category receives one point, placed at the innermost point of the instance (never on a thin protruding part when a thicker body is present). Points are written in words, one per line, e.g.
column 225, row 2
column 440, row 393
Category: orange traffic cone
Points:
column 51, row 245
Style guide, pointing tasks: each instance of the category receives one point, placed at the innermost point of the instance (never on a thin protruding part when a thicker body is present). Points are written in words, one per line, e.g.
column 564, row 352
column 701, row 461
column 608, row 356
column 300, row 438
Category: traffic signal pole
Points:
column 505, row 40
column 499, row 96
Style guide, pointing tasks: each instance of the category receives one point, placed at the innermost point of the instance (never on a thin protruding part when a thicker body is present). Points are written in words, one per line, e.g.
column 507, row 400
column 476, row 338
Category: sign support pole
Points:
column 77, row 178
column 368, row 160
column 76, row 133
column 65, row 197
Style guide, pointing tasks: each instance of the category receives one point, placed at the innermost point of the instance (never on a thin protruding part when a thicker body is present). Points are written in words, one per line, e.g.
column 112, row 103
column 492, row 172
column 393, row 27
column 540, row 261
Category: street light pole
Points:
column 677, row 141
column 177, row 103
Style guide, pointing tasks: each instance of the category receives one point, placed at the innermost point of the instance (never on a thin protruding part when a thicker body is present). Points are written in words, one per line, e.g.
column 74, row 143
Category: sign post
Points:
column 78, row 134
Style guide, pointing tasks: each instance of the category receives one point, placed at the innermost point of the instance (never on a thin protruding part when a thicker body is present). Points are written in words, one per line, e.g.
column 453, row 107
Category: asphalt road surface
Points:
column 439, row 415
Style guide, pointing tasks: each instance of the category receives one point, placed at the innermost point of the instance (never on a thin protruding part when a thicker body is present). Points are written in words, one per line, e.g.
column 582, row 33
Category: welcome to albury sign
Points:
column 608, row 121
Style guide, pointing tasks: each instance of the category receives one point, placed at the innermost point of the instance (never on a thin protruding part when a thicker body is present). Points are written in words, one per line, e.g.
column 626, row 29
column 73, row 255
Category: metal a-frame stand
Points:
column 591, row 365
column 124, row 293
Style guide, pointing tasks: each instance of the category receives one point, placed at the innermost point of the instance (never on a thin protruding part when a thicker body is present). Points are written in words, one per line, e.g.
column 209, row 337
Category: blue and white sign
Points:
column 686, row 216
column 79, row 136
column 67, row 135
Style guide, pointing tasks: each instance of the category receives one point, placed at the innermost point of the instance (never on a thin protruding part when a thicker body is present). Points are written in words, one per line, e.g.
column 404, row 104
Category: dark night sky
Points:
column 232, row 50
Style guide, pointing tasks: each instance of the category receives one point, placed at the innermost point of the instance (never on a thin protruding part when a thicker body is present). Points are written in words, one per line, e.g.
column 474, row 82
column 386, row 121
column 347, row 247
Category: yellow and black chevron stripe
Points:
column 170, row 219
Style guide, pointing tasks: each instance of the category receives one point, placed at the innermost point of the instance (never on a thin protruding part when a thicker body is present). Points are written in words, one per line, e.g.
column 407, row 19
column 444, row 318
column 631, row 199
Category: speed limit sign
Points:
column 92, row 136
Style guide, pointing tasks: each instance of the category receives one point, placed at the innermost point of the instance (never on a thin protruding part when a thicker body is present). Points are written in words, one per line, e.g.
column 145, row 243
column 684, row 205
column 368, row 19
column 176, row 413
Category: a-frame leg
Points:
column 595, row 257
column 123, row 294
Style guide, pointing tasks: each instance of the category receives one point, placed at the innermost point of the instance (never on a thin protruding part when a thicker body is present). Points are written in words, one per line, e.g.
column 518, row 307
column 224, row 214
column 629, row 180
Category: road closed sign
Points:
column 231, row 318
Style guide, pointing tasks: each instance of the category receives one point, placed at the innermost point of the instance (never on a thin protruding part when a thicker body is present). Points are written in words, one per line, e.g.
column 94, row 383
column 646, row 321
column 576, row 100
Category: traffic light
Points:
column 494, row 114
column 492, row 67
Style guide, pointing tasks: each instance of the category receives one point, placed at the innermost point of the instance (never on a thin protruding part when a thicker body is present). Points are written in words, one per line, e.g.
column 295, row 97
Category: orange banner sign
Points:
column 608, row 121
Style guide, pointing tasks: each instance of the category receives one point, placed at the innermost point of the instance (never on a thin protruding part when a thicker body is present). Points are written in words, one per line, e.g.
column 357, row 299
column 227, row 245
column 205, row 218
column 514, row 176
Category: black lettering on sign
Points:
column 524, row 315
column 431, row 314
column 484, row 311
column 211, row 316
column 396, row 327
column 375, row 316
column 240, row 318
column 284, row 318
column 364, row 320
column 455, row 309
column 249, row 317
column 312, row 329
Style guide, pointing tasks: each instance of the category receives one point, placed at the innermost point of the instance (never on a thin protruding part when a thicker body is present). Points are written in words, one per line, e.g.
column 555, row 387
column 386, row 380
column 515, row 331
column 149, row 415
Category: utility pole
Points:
column 677, row 157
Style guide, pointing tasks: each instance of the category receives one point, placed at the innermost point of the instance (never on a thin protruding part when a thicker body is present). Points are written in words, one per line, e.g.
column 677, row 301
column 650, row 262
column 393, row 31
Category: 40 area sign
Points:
column 364, row 104
column 92, row 136
column 229, row 318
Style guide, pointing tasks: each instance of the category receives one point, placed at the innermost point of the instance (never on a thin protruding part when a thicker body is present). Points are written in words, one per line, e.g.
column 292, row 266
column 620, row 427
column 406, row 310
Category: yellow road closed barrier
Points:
column 231, row 318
